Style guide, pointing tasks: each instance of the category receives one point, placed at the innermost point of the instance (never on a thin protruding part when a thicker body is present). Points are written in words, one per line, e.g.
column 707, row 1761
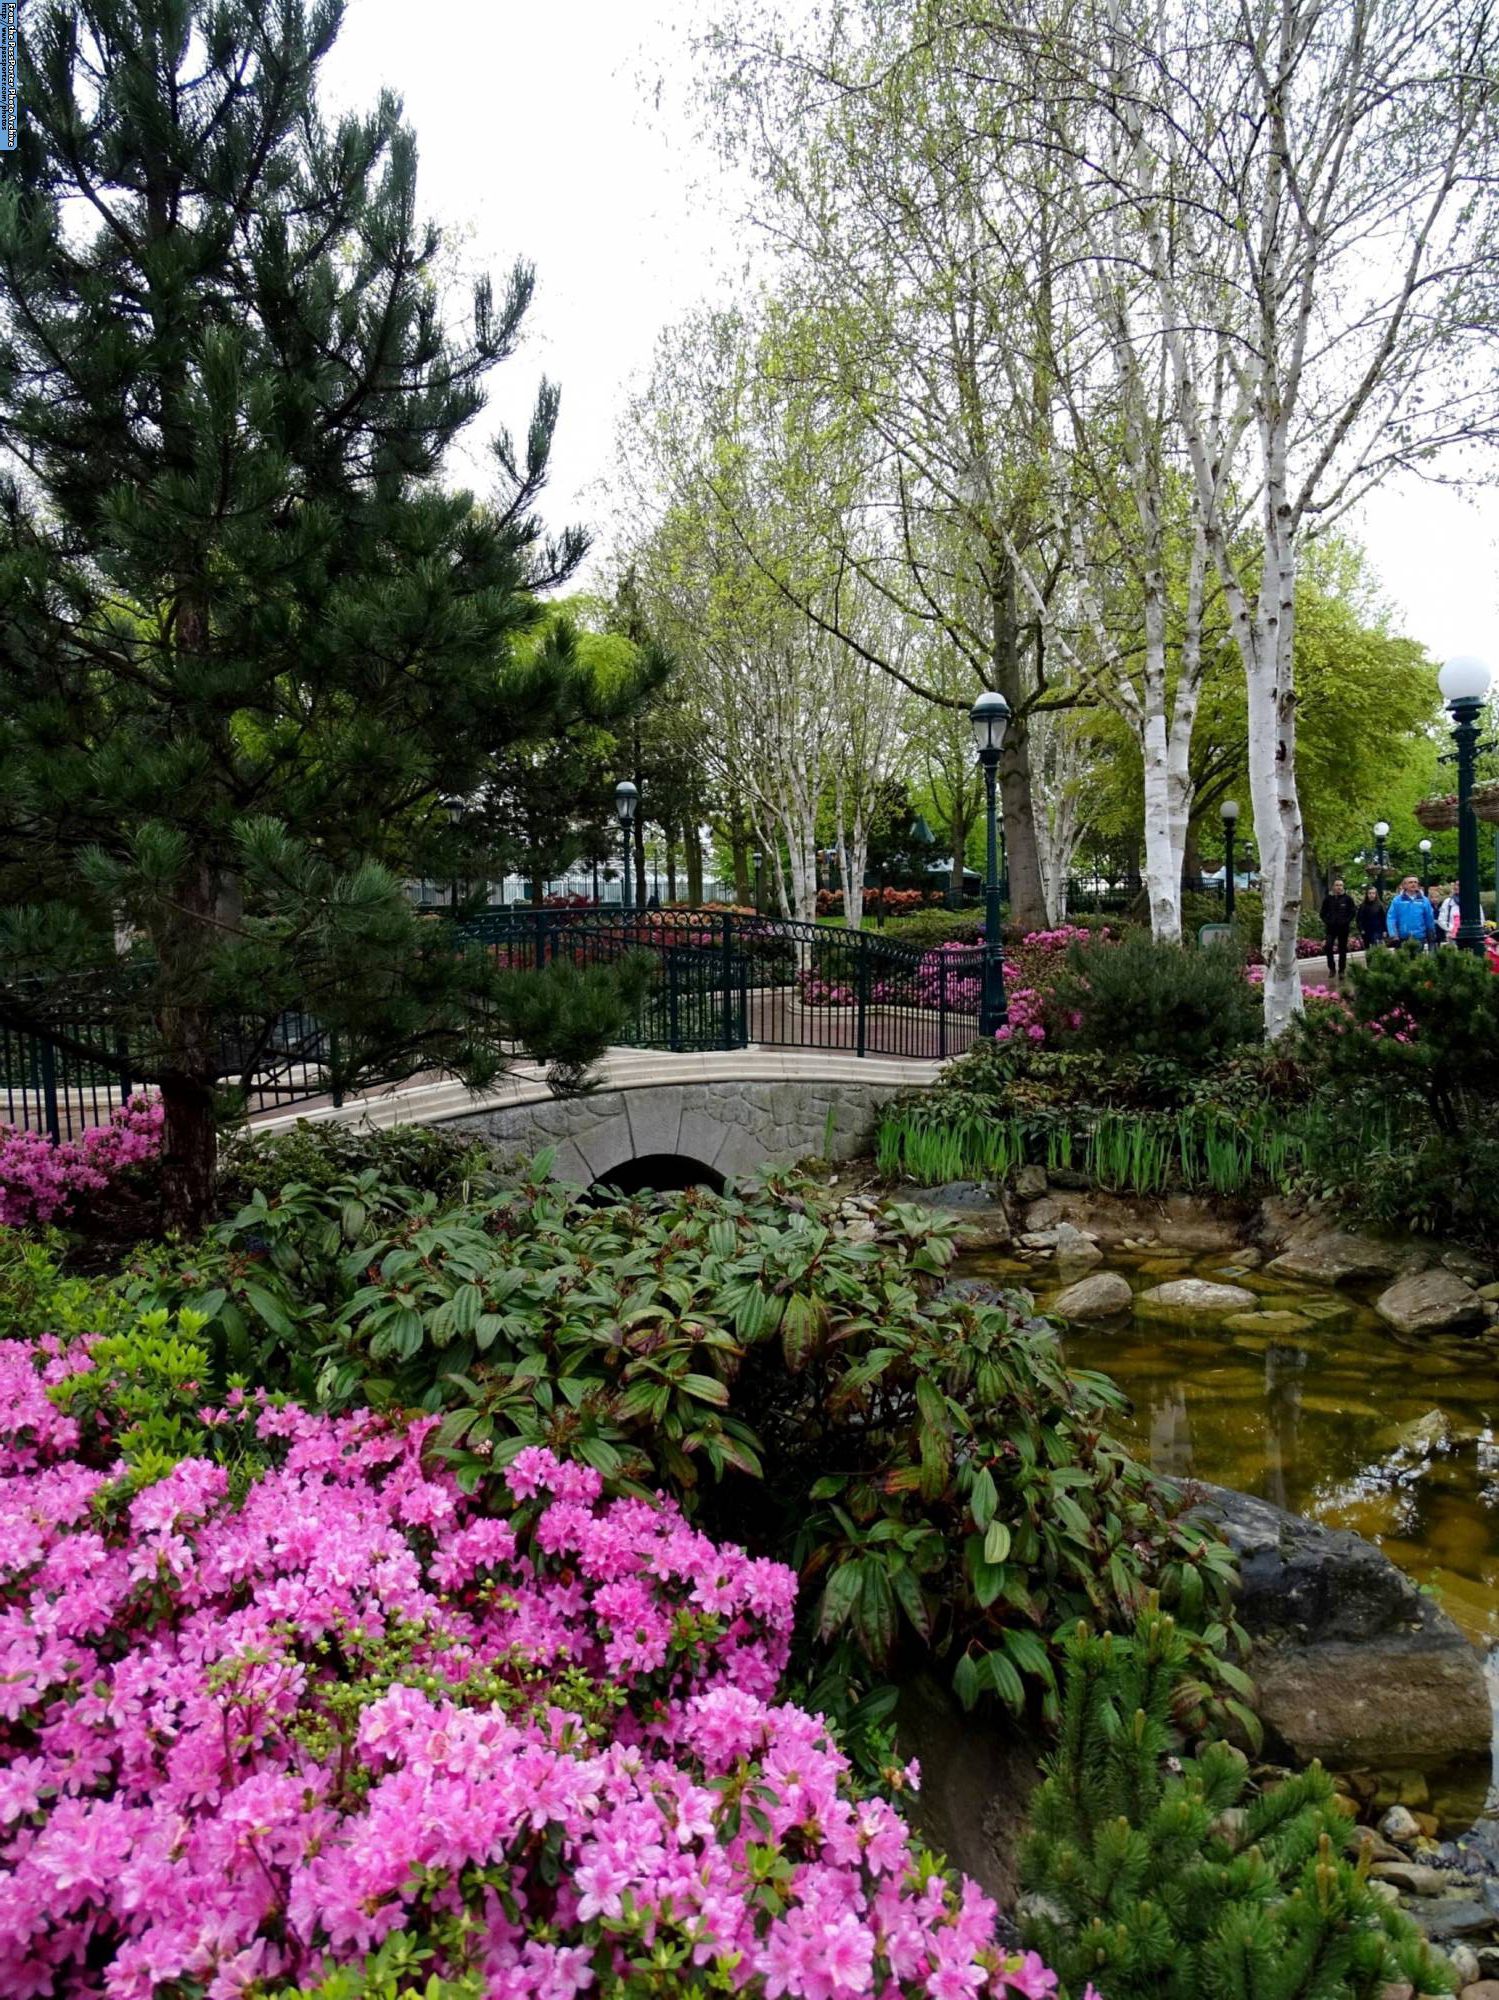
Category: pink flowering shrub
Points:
column 948, row 976
column 245, row 1742
column 40, row 1179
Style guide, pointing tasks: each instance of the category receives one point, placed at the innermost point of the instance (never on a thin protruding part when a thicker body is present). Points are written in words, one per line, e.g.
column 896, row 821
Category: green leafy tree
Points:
column 1161, row 1878
column 249, row 644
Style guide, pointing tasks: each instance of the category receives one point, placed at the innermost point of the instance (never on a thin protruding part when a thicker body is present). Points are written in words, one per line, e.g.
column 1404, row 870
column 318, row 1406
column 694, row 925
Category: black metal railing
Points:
column 717, row 981
column 725, row 981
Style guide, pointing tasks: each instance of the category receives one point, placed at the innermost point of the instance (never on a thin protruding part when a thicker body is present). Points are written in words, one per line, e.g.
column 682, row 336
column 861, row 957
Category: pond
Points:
column 1345, row 1420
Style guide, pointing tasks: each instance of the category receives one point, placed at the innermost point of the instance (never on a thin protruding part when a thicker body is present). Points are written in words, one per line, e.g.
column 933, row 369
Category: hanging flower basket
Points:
column 1438, row 815
column 1486, row 802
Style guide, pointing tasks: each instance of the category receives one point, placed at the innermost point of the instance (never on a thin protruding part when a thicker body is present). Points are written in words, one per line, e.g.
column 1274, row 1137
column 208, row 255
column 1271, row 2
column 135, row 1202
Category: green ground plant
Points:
column 1162, row 1876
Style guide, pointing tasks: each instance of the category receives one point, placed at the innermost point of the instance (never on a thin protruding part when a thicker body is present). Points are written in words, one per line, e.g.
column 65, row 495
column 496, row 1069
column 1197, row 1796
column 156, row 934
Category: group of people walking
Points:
column 1427, row 917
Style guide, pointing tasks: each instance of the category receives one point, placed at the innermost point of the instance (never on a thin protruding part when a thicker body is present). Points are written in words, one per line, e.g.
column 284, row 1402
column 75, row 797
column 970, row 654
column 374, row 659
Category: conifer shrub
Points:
column 1142, row 998
column 1160, row 1876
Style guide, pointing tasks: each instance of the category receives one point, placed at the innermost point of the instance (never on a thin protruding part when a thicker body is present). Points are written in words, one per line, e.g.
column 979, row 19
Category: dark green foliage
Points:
column 1161, row 1876
column 430, row 1159
column 250, row 643
column 1141, row 998
column 1403, row 1129
column 927, row 1461
column 925, row 929
column 567, row 1018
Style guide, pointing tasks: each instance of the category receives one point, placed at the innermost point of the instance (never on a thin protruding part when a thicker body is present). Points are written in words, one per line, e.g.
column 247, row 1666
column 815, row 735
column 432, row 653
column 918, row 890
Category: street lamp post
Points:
column 759, row 879
column 1465, row 685
column 455, row 820
column 988, row 717
column 626, row 799
column 1425, row 847
column 1381, row 835
column 1230, row 811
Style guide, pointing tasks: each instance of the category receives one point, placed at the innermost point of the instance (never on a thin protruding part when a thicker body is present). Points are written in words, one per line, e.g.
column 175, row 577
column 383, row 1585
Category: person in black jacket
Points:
column 1338, row 913
column 1371, row 918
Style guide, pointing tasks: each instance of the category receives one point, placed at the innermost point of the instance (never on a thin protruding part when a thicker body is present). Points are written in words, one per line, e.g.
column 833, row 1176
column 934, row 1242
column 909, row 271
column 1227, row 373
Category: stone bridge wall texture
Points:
column 730, row 1127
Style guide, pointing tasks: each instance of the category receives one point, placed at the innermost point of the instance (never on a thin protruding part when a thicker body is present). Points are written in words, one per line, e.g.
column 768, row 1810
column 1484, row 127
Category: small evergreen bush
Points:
column 1142, row 998
column 428, row 1158
column 1162, row 1877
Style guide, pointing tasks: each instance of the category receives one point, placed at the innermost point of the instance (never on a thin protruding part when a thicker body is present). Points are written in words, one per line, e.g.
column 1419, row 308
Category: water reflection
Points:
column 1340, row 1419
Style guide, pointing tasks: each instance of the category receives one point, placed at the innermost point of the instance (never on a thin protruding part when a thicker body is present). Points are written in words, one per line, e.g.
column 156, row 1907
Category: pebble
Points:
column 1463, row 1963
column 1444, row 1917
column 1416, row 1879
column 1399, row 1825
column 1379, row 1848
column 1481, row 1989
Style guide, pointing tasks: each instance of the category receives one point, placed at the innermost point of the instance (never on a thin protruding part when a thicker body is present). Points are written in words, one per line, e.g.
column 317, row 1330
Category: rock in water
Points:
column 1274, row 1323
column 1329, row 1256
column 1437, row 1301
column 979, row 1209
column 1103, row 1296
column 1181, row 1298
column 1351, row 1663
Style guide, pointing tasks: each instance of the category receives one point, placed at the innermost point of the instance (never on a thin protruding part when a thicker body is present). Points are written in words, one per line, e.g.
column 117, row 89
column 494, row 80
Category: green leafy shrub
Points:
column 1159, row 1874
column 927, row 1460
column 432, row 1159
column 38, row 1297
column 1403, row 1126
column 1141, row 998
column 925, row 929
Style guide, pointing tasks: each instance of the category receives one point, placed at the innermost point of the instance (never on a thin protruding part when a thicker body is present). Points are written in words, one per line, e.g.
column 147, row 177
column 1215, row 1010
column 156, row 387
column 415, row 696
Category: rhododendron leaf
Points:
column 600, row 1454
column 707, row 1389
column 996, row 1542
column 1005, row 1682
column 802, row 1327
column 874, row 1610
column 271, row 1311
column 908, row 1595
column 838, row 1597
column 982, row 1502
column 486, row 1327
column 829, row 1484
column 1029, row 1653
column 468, row 1303
column 965, row 1680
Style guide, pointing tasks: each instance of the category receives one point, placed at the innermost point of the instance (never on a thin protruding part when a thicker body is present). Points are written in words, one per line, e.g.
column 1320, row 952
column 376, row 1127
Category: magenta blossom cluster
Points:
column 41, row 1178
column 241, row 1743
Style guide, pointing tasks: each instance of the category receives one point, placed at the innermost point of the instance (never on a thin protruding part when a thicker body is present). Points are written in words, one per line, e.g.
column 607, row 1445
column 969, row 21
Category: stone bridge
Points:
column 717, row 1114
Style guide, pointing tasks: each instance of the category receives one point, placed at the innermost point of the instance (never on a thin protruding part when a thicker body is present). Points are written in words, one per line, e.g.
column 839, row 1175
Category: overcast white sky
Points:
column 537, row 139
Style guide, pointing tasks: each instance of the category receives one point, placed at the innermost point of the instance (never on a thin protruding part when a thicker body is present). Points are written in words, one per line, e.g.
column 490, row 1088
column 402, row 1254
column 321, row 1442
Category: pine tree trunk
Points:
column 189, row 1159
column 694, row 868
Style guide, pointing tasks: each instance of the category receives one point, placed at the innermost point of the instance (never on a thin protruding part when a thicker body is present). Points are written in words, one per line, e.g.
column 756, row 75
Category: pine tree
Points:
column 1156, row 1876
column 249, row 644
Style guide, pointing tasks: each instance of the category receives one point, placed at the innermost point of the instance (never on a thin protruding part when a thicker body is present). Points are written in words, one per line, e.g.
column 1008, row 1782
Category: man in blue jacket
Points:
column 1410, row 919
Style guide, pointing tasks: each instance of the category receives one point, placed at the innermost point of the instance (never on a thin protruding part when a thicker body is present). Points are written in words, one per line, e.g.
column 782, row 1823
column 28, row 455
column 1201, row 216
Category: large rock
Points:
column 1322, row 1256
column 1103, row 1296
column 1182, row 1298
column 983, row 1218
column 1351, row 1663
column 1437, row 1301
column 977, row 1775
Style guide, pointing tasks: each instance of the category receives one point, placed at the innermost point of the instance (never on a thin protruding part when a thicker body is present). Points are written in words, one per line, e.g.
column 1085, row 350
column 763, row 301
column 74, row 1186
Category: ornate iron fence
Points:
column 718, row 981
column 725, row 981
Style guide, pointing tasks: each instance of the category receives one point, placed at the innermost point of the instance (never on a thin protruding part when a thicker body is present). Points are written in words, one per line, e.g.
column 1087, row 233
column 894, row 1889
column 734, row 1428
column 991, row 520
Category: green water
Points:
column 1348, row 1422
